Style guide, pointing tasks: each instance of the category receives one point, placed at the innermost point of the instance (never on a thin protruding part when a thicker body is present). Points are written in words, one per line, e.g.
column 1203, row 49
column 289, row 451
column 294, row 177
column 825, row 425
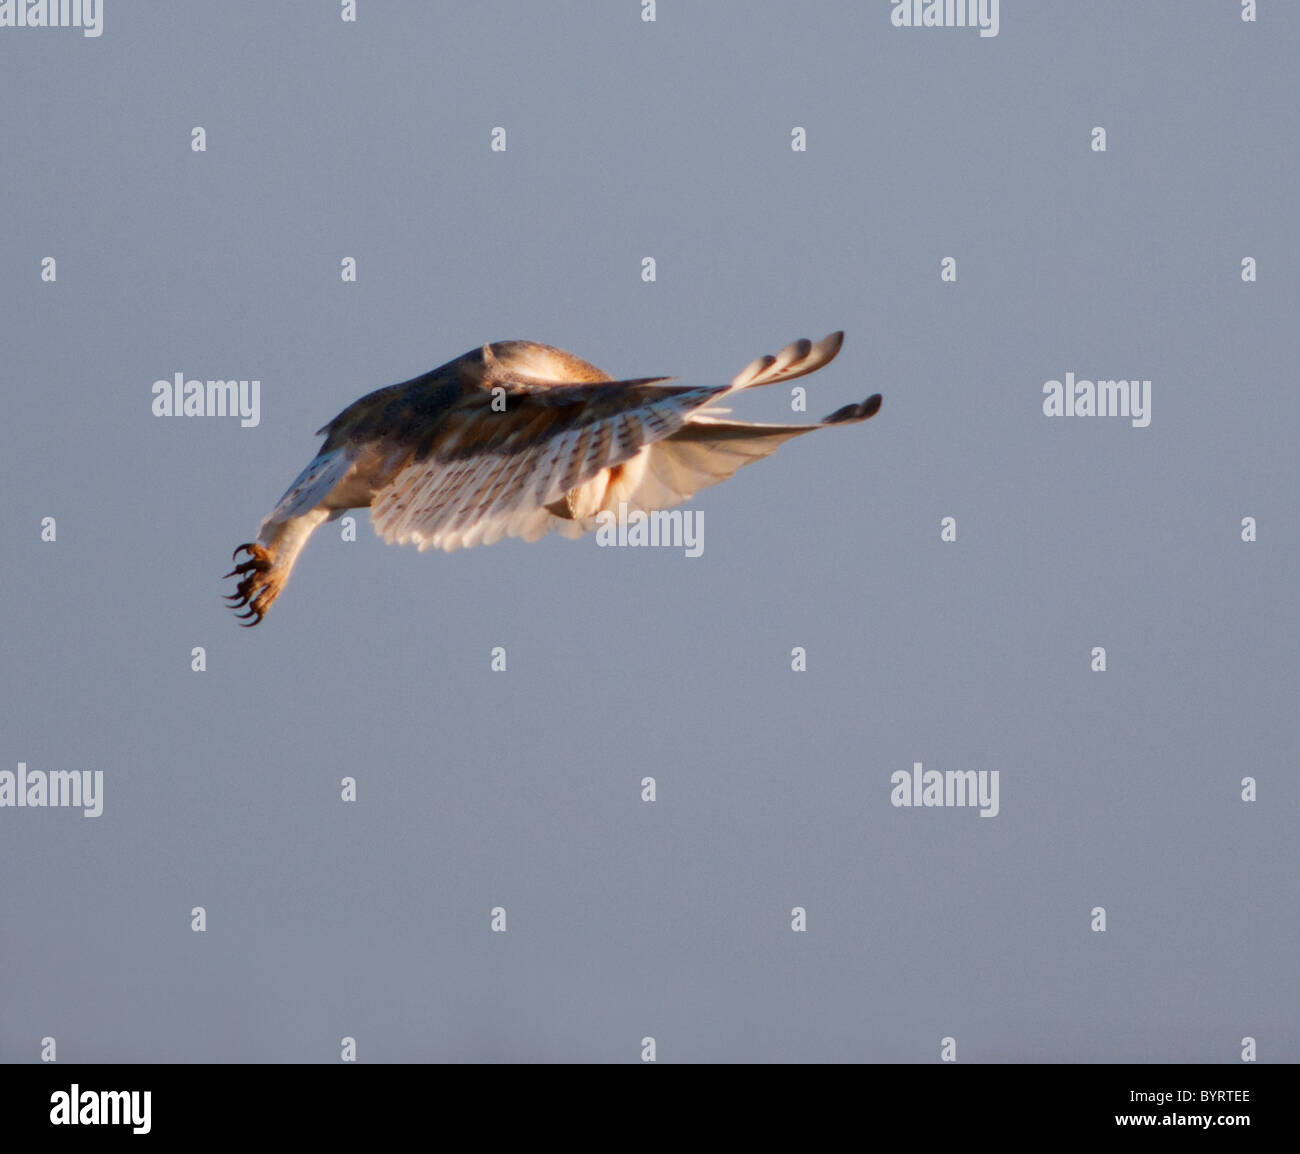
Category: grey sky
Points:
column 521, row 789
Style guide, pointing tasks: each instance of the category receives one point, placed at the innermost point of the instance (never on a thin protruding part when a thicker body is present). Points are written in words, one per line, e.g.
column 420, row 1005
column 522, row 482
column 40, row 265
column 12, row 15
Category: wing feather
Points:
column 705, row 451
column 493, row 473
column 797, row 359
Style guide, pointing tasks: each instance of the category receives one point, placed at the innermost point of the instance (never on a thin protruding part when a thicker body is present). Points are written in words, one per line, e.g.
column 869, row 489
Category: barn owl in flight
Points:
column 513, row 440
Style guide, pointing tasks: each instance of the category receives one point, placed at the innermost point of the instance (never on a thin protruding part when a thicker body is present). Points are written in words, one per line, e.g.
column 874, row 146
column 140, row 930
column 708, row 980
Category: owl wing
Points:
column 494, row 467
column 703, row 452
column 708, row 449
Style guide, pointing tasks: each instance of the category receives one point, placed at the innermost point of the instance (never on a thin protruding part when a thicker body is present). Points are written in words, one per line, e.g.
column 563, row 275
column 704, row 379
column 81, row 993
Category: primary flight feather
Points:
column 516, row 439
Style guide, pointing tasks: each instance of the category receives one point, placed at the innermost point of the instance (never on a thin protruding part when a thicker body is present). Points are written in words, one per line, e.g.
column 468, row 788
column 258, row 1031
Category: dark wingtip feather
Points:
column 857, row 412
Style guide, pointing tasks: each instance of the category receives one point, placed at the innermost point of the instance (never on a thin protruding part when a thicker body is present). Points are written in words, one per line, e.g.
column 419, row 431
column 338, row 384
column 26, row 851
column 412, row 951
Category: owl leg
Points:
column 259, row 583
column 271, row 560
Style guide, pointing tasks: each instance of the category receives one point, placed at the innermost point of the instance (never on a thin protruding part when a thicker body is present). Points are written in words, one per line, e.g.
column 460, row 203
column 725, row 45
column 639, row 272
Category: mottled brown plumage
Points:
column 518, row 439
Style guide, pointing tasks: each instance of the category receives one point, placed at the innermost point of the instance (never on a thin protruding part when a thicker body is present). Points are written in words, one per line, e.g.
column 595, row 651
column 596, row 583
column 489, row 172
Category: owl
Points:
column 517, row 439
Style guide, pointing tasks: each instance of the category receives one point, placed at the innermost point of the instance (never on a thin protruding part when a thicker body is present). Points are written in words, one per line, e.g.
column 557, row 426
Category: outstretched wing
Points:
column 708, row 449
column 491, row 474
column 703, row 452
column 491, row 471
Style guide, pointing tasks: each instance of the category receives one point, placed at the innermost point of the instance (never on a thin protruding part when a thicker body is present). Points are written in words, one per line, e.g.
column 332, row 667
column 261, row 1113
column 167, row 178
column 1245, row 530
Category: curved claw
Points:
column 257, row 565
column 258, row 583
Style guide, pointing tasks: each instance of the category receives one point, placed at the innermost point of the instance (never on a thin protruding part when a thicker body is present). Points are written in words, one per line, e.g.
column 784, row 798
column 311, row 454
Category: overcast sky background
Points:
column 476, row 789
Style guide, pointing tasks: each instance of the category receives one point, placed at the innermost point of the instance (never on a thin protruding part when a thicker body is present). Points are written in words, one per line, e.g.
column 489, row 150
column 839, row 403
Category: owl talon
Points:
column 258, row 559
column 249, row 567
column 257, row 587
